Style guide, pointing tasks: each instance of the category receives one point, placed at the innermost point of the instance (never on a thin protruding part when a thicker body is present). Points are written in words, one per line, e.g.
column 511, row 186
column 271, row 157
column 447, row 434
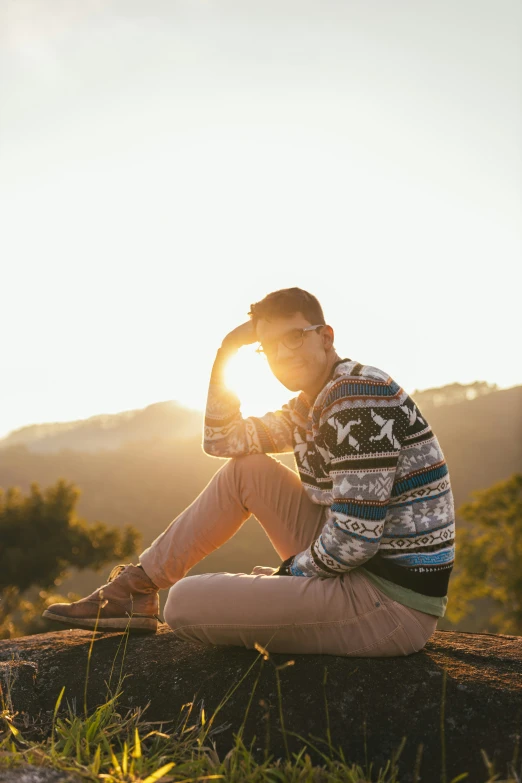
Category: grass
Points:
column 104, row 745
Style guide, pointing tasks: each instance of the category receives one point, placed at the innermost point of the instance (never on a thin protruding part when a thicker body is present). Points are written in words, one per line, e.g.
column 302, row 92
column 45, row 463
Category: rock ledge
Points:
column 392, row 697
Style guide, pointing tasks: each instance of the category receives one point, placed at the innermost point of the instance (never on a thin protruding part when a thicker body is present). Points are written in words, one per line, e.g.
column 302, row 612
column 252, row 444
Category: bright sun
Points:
column 249, row 376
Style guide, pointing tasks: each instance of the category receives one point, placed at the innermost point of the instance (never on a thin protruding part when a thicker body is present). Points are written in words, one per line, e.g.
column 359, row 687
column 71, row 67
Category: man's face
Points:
column 299, row 369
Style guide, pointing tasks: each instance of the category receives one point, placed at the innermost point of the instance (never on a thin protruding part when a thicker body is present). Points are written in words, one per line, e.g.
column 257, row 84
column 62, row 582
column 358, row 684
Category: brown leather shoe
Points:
column 129, row 599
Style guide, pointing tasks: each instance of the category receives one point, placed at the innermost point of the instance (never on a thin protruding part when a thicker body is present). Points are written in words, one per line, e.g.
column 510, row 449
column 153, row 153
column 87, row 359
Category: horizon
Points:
column 164, row 166
column 180, row 404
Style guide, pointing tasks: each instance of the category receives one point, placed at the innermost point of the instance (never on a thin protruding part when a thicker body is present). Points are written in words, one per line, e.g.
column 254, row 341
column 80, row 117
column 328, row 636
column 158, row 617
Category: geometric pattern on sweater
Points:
column 428, row 560
column 432, row 489
column 417, row 456
column 365, row 485
column 432, row 540
column 421, row 515
column 365, row 450
column 421, row 478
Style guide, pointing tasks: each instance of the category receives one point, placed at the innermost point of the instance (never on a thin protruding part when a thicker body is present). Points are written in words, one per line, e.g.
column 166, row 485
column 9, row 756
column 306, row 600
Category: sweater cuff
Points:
column 284, row 568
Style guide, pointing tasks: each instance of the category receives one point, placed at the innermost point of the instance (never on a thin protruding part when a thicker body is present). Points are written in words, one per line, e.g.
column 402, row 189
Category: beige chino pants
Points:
column 343, row 615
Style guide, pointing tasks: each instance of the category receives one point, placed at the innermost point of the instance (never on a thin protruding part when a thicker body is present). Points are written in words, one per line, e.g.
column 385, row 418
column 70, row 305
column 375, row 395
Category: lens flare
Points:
column 248, row 375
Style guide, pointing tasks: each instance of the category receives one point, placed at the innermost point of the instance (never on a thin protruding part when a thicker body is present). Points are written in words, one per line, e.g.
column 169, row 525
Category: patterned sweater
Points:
column 365, row 450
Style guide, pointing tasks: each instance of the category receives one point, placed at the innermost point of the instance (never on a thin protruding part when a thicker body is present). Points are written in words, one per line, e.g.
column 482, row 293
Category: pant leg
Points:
column 343, row 615
column 256, row 484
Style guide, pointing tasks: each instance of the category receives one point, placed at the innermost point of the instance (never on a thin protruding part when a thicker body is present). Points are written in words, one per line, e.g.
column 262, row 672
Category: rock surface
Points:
column 375, row 702
column 17, row 683
column 32, row 774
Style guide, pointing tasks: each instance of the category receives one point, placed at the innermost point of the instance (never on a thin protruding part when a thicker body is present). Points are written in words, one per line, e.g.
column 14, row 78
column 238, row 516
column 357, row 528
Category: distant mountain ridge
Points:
column 172, row 420
column 479, row 428
column 108, row 431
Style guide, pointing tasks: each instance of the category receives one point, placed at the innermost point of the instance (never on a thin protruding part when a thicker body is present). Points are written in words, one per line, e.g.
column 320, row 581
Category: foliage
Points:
column 41, row 539
column 489, row 554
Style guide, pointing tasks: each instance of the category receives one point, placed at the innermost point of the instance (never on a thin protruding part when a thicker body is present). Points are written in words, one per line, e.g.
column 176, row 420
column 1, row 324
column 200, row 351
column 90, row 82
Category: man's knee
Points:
column 240, row 471
column 181, row 606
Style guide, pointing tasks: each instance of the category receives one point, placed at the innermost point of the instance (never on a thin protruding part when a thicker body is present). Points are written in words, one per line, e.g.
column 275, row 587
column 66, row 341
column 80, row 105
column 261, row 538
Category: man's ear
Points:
column 327, row 333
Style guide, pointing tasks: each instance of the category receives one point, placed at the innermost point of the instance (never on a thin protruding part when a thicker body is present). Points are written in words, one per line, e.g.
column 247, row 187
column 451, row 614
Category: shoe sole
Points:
column 139, row 624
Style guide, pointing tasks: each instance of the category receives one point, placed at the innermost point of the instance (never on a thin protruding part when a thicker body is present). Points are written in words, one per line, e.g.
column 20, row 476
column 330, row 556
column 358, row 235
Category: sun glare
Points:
column 248, row 375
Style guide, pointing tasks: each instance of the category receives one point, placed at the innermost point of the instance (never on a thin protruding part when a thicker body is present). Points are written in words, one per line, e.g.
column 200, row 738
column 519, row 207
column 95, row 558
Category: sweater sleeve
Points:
column 228, row 434
column 364, row 446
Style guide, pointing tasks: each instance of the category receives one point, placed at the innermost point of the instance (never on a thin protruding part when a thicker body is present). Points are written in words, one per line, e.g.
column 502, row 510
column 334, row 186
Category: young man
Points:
column 365, row 533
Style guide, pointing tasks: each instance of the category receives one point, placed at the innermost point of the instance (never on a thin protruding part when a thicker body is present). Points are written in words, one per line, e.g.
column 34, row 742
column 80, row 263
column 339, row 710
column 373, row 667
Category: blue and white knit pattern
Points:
column 365, row 450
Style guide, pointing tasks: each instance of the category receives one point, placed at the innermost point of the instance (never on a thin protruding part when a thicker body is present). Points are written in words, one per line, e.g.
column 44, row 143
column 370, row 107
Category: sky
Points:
column 166, row 163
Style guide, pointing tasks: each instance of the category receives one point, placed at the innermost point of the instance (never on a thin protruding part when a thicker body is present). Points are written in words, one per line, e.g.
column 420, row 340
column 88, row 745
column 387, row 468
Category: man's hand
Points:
column 266, row 570
column 241, row 335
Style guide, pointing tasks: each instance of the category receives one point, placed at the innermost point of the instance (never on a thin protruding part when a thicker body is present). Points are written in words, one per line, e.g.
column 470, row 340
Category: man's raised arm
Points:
column 226, row 432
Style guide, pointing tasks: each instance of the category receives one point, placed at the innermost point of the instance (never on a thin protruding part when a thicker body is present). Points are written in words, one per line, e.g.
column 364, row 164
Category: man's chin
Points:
column 293, row 385
column 293, row 379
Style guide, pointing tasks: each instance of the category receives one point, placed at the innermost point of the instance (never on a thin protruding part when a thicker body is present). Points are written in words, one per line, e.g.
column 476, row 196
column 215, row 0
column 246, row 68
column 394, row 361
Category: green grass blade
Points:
column 161, row 772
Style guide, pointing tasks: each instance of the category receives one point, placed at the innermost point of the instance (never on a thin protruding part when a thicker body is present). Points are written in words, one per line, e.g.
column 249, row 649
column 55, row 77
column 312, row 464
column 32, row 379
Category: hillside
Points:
column 142, row 451
column 481, row 438
column 109, row 431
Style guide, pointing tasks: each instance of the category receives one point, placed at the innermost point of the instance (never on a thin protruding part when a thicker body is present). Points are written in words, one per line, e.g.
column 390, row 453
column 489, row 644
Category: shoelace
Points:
column 116, row 571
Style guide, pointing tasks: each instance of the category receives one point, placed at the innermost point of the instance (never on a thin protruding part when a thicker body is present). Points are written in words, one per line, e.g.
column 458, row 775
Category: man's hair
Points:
column 286, row 302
